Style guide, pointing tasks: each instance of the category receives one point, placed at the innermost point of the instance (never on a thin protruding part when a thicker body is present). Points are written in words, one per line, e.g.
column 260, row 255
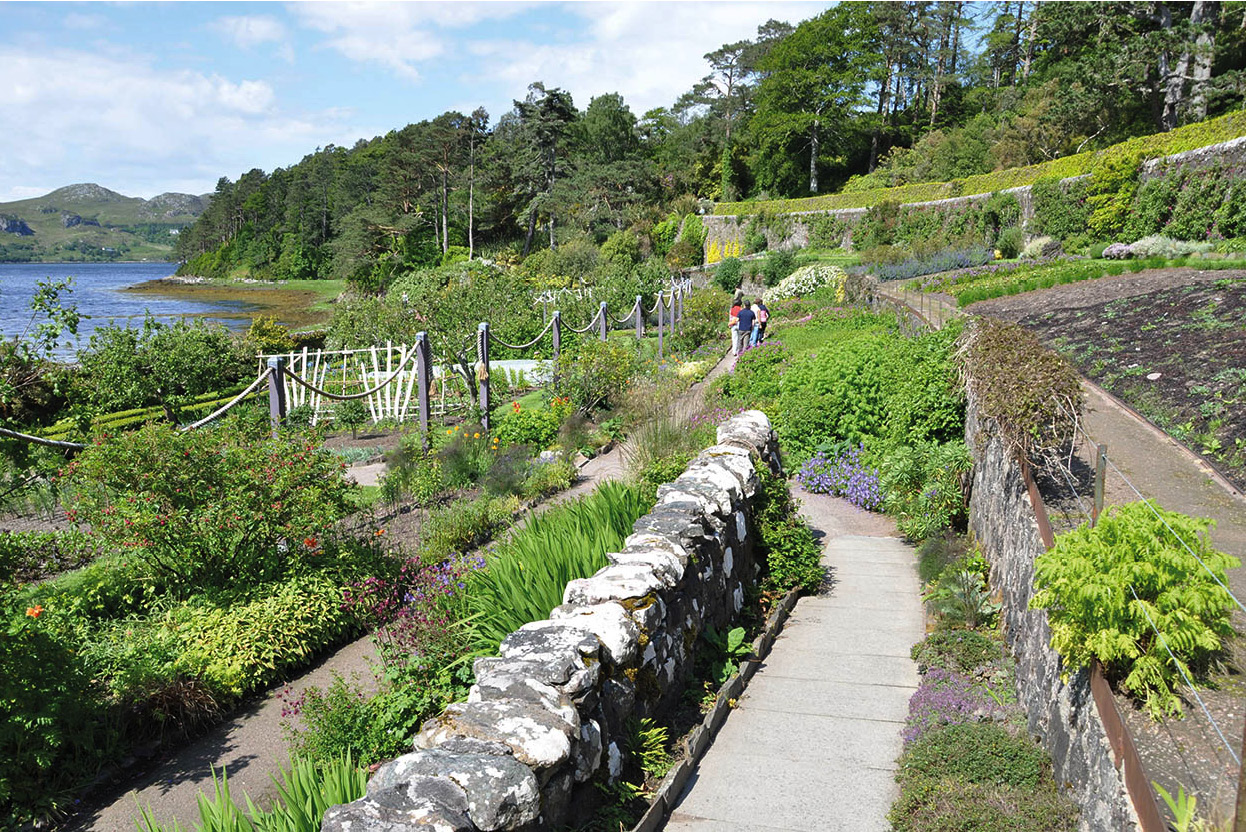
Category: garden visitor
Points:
column 762, row 315
column 733, row 321
column 744, row 329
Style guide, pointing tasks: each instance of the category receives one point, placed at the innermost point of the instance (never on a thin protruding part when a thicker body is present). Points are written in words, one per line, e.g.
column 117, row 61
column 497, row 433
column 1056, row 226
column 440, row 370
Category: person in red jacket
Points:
column 733, row 321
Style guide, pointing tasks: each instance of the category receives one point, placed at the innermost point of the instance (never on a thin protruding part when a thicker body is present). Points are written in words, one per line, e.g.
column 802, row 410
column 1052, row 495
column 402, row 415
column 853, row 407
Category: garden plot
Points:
column 1170, row 343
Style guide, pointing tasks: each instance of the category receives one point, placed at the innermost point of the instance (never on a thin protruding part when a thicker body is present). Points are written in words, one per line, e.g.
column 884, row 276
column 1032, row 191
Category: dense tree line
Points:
column 863, row 95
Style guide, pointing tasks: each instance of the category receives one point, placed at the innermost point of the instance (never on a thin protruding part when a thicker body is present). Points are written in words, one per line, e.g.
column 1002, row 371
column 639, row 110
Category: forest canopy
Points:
column 866, row 94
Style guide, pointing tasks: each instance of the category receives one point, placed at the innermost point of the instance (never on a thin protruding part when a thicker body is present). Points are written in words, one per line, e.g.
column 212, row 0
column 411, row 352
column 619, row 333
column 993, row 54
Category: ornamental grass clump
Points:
column 1143, row 593
column 842, row 474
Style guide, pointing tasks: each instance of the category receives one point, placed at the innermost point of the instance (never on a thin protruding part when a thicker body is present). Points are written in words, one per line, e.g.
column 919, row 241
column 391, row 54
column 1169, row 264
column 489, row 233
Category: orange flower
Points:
column 310, row 542
column 476, row 435
column 380, row 532
column 35, row 611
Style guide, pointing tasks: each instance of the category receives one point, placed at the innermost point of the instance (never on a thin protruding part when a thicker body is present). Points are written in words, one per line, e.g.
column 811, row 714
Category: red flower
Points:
column 310, row 542
column 35, row 611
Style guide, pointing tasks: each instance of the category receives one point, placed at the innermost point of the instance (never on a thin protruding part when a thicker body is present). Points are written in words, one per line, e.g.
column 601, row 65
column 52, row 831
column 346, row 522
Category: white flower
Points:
column 804, row 281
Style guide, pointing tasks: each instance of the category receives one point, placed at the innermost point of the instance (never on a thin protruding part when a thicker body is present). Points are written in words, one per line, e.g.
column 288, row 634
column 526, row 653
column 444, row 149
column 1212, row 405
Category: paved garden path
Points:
column 251, row 745
column 813, row 743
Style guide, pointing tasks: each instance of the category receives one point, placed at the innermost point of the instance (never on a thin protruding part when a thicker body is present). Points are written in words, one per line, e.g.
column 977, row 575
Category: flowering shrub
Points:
column 1117, row 251
column 1160, row 246
column 843, row 475
column 207, row 507
column 806, row 280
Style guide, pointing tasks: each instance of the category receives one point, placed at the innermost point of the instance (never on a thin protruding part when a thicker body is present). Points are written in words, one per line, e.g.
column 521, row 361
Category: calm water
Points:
column 98, row 297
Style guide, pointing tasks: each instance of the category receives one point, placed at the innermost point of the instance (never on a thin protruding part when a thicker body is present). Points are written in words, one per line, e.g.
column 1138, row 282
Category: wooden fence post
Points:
column 661, row 310
column 640, row 319
column 1101, row 471
column 482, row 371
column 604, row 326
column 276, row 391
column 557, row 334
column 423, row 372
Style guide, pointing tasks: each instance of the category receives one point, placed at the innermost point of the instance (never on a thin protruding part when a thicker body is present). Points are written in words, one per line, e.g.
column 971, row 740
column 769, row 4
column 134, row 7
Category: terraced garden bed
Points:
column 1171, row 343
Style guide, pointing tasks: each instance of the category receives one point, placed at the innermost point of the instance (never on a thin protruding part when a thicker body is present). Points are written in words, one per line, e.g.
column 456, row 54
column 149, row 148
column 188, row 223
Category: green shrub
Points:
column 536, row 427
column 924, row 486
column 524, row 578
column 978, row 753
column 207, row 507
column 835, row 394
column 54, row 730
column 958, row 650
column 1010, row 242
column 597, row 375
column 238, row 646
column 704, row 322
column 351, row 414
column 961, row 597
column 778, row 265
column 462, row 525
column 343, row 717
column 1127, row 593
column 547, row 478
column 792, row 558
column 728, row 274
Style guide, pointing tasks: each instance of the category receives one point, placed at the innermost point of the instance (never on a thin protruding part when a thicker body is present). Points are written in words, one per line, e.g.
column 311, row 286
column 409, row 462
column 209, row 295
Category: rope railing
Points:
column 529, row 344
column 42, row 441
column 360, row 395
column 250, row 389
column 588, row 326
column 630, row 313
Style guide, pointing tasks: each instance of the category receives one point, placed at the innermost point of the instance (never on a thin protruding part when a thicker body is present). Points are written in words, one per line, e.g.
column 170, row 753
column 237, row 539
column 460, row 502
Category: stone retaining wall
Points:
column 725, row 232
column 1063, row 715
column 549, row 715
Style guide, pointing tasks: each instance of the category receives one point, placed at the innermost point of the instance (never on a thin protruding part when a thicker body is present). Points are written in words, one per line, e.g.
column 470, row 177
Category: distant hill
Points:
column 87, row 222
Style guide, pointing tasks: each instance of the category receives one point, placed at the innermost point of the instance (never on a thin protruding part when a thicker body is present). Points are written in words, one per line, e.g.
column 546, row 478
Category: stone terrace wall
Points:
column 1062, row 715
column 548, row 716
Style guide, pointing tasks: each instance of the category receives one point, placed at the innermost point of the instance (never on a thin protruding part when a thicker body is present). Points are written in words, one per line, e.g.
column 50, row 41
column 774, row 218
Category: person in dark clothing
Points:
column 745, row 317
column 763, row 316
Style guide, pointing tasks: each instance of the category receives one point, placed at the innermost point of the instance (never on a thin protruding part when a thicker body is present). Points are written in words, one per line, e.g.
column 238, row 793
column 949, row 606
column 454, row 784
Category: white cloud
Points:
column 396, row 36
column 649, row 52
column 79, row 117
column 249, row 32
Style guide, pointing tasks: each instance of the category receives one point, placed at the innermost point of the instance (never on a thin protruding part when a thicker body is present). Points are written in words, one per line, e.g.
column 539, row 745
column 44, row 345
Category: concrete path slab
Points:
column 813, row 742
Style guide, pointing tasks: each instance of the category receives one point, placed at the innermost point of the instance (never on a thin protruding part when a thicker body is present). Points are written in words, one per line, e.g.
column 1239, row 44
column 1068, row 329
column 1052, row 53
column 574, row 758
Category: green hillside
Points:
column 87, row 222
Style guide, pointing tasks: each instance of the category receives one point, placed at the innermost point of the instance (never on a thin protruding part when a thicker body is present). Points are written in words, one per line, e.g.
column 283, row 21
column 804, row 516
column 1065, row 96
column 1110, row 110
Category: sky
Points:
column 151, row 97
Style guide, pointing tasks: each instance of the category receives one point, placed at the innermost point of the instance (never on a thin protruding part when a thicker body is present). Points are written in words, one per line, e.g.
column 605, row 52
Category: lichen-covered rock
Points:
column 537, row 737
column 497, row 792
column 420, row 804
column 608, row 621
column 614, row 583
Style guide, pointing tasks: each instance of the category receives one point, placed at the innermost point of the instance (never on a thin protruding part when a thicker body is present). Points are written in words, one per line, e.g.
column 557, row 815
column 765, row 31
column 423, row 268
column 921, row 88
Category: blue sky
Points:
column 145, row 98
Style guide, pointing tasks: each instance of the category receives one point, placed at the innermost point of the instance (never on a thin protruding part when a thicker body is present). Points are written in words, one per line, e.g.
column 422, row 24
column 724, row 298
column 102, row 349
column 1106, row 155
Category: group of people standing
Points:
column 748, row 323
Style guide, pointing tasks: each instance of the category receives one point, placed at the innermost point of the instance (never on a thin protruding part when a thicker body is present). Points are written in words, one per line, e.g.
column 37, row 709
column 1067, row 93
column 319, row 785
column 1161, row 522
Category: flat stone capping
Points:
column 548, row 716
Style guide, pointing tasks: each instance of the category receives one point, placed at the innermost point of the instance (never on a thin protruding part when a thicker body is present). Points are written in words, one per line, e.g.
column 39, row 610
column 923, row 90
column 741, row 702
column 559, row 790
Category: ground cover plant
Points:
column 969, row 763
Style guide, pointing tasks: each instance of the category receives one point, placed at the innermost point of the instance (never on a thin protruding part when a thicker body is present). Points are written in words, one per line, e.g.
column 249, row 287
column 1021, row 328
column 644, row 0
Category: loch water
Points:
column 97, row 294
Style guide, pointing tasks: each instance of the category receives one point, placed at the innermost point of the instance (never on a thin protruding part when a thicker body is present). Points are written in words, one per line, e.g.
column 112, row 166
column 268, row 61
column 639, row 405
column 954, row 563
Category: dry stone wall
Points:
column 1062, row 714
column 548, row 715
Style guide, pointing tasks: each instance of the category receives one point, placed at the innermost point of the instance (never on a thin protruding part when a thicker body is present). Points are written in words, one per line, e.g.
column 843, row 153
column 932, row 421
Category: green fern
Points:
column 1128, row 592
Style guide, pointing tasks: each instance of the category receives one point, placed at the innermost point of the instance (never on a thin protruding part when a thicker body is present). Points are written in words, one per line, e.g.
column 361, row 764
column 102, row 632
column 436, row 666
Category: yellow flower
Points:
column 474, row 436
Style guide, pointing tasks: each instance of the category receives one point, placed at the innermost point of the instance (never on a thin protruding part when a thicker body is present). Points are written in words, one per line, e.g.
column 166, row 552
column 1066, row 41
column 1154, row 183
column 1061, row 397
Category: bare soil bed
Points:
column 1171, row 343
